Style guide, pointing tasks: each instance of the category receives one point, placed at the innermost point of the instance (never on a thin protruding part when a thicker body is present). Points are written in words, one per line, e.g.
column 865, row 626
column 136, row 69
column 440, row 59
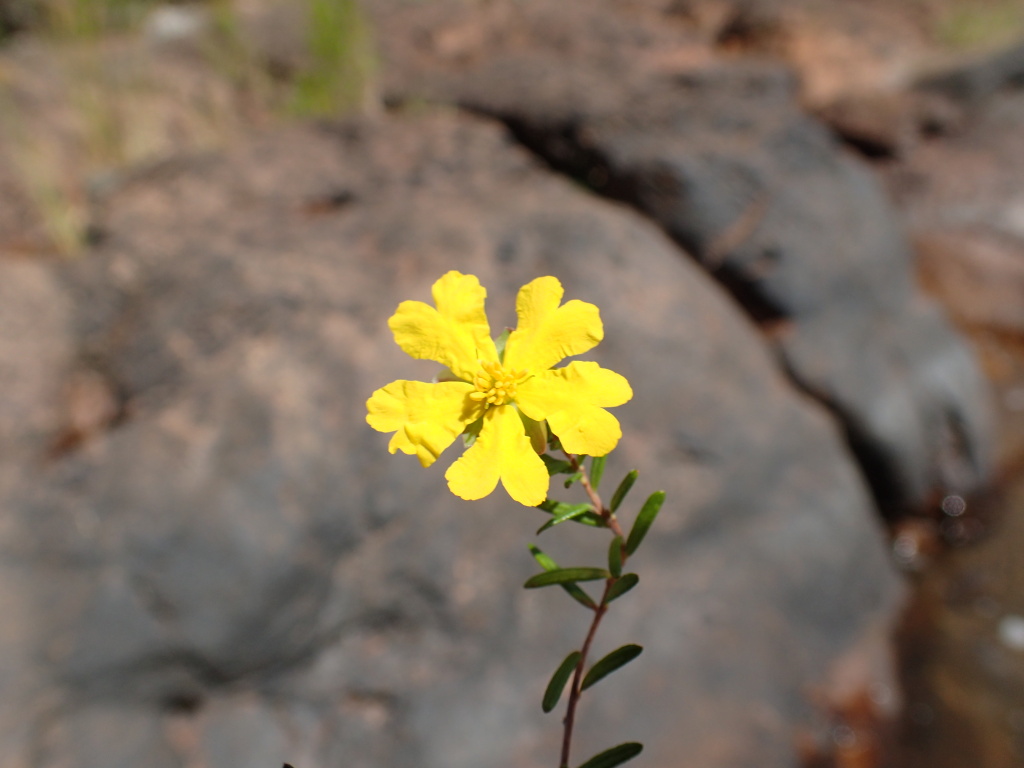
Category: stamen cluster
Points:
column 496, row 386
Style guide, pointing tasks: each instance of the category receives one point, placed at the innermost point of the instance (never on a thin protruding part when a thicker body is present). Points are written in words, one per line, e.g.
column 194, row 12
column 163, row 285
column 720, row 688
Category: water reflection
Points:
column 962, row 645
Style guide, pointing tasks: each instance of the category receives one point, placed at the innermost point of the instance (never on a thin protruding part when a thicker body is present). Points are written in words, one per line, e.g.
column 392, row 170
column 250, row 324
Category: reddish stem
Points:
column 577, row 678
column 608, row 517
column 606, row 514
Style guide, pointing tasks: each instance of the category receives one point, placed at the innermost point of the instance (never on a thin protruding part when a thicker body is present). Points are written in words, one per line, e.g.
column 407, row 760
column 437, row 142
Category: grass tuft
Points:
column 122, row 103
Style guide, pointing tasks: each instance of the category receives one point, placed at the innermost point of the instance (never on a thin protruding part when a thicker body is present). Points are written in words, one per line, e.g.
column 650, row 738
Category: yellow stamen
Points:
column 495, row 385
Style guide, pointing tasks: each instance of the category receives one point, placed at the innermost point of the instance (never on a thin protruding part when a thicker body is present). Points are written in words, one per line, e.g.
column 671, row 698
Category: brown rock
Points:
column 241, row 565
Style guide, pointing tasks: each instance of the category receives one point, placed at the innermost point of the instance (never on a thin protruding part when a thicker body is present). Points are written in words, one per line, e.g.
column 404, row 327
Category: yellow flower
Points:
column 504, row 392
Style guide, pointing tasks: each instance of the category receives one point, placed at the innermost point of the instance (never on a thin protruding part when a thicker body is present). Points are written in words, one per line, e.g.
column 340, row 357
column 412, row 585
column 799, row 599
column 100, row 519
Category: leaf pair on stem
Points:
column 593, row 514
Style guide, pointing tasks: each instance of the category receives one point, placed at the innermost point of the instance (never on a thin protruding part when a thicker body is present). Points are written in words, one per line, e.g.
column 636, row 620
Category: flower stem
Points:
column 577, row 679
column 606, row 514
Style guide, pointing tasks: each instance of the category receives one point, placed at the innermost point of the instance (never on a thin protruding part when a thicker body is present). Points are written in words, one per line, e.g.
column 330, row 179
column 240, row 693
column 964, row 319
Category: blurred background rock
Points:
column 801, row 222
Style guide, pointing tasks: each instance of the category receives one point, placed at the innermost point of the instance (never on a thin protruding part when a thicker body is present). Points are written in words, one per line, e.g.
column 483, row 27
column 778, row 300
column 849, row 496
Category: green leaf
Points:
column 574, row 590
column 556, row 508
column 597, row 470
column 558, row 680
column 622, row 586
column 572, row 479
column 556, row 466
column 470, row 433
column 620, row 657
column 565, row 576
column 615, row 756
column 499, row 343
column 543, row 560
column 537, row 431
column 644, row 520
column 581, row 597
column 615, row 557
column 570, row 512
column 623, row 489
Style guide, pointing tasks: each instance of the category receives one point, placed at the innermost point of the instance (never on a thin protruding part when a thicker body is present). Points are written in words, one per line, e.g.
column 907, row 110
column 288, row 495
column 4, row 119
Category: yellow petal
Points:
column 548, row 333
column 573, row 400
column 456, row 334
column 501, row 451
column 426, row 418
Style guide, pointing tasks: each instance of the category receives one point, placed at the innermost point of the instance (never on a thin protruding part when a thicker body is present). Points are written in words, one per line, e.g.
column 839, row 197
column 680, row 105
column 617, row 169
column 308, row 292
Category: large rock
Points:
column 979, row 78
column 234, row 572
column 721, row 156
column 961, row 196
column 35, row 356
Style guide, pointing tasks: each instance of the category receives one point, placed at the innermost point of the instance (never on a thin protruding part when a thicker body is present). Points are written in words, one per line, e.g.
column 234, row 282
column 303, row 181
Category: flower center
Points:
column 495, row 385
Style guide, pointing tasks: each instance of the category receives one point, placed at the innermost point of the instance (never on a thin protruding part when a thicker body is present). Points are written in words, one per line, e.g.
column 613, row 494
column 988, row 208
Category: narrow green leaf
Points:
column 622, row 586
column 565, row 576
column 537, row 431
column 499, row 343
column 623, row 489
column 615, row 557
column 570, row 512
column 648, row 512
column 556, row 466
column 558, row 680
column 575, row 592
column 620, row 657
column 597, row 471
column 556, row 508
column 470, row 433
column 615, row 756
column 543, row 560
column 572, row 479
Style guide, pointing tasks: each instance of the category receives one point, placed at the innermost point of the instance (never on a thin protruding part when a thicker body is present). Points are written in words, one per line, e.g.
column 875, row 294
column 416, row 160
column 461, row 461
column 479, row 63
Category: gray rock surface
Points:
column 721, row 156
column 963, row 204
column 35, row 356
column 228, row 568
column 980, row 78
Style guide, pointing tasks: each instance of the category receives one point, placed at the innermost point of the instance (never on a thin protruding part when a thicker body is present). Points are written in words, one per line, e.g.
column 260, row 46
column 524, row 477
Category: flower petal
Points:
column 456, row 334
column 502, row 451
column 548, row 333
column 426, row 418
column 573, row 399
